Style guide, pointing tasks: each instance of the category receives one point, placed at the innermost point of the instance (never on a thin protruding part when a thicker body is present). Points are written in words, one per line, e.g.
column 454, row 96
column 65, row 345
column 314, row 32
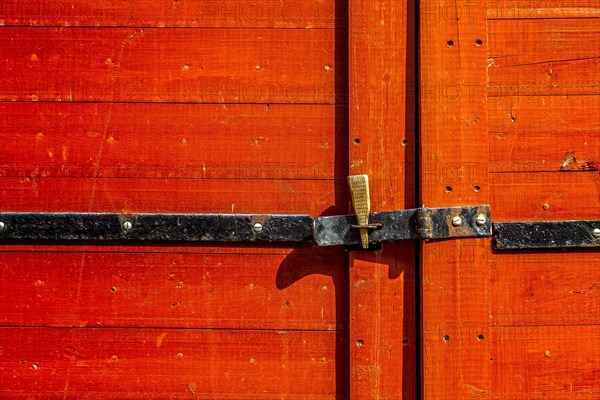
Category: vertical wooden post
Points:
column 382, row 145
column 454, row 165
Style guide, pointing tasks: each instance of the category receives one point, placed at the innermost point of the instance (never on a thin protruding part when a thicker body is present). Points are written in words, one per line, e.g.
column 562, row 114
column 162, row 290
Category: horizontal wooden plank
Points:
column 173, row 140
column 259, row 196
column 44, row 363
column 543, row 57
column 545, row 288
column 144, row 13
column 546, row 133
column 278, row 249
column 561, row 362
column 529, row 9
column 173, row 65
column 237, row 291
column 526, row 195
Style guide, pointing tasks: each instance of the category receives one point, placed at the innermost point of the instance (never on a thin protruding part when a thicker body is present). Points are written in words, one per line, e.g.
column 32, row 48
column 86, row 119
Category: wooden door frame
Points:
column 382, row 118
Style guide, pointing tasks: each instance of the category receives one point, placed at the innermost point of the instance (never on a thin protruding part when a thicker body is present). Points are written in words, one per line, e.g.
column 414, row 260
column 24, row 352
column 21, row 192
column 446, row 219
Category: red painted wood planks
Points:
column 171, row 65
column 128, row 363
column 148, row 141
column 303, row 14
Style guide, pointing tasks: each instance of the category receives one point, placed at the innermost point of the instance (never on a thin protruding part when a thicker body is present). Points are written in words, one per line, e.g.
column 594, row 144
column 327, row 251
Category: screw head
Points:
column 257, row 227
column 480, row 219
column 2, row 226
column 456, row 220
column 596, row 233
column 127, row 226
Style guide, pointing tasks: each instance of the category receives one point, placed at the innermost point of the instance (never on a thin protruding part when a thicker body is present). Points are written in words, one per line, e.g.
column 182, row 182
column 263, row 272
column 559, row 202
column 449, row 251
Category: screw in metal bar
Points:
column 456, row 220
column 127, row 226
column 480, row 219
column 257, row 227
column 596, row 233
column 2, row 226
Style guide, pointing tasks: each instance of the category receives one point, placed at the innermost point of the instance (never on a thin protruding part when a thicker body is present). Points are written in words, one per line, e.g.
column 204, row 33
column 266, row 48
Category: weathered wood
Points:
column 383, row 341
column 543, row 57
column 542, row 9
column 171, row 65
column 166, row 195
column 303, row 14
column 544, row 133
column 98, row 113
column 166, row 363
column 200, row 141
column 454, row 138
column 545, row 362
column 545, row 288
column 174, row 290
column 545, row 195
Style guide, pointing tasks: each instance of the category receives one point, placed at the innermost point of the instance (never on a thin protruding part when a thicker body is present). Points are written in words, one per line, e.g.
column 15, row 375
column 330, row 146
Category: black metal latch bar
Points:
column 363, row 228
column 325, row 231
column 547, row 234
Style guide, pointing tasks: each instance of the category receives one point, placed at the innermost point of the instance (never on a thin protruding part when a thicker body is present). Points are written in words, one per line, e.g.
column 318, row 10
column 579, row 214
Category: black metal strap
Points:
column 156, row 227
column 420, row 224
column 325, row 231
column 547, row 234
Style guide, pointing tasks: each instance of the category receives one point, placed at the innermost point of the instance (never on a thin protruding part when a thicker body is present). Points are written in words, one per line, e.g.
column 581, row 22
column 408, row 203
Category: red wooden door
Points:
column 205, row 107
column 173, row 107
column 510, row 116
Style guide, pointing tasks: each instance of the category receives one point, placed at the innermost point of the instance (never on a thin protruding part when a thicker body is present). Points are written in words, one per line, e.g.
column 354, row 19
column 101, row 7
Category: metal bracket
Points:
column 547, row 234
column 419, row 223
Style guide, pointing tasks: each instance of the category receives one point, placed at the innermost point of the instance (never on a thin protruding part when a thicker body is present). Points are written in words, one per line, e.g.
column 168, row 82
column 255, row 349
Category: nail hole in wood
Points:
column 450, row 43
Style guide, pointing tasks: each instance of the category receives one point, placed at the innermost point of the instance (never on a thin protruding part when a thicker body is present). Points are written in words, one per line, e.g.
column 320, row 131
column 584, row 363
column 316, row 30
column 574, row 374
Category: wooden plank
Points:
column 545, row 195
column 544, row 57
column 545, row 288
column 203, row 141
column 174, row 364
column 454, row 142
column 546, row 362
column 382, row 144
column 172, row 65
column 225, row 291
column 542, row 9
column 545, row 133
column 259, row 196
column 145, row 13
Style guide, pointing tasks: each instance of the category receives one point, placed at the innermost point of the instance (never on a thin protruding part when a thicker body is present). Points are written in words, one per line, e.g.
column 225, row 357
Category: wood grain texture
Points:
column 545, row 196
column 303, row 14
column 202, row 142
column 257, row 196
column 171, row 65
column 545, row 133
column 225, row 291
column 544, row 57
column 454, row 146
column 167, row 364
column 99, row 112
column 382, row 145
column 545, row 288
column 541, row 9
column 546, row 362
